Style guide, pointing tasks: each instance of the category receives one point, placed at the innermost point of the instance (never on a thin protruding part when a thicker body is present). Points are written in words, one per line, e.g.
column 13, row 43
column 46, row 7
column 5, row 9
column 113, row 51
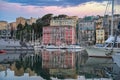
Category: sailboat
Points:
column 111, row 45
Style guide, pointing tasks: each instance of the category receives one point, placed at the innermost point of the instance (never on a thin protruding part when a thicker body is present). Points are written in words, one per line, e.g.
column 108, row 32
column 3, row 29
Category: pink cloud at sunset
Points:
column 14, row 10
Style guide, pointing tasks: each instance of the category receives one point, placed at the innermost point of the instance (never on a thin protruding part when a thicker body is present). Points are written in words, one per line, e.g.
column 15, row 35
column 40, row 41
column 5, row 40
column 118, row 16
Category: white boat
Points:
column 65, row 50
column 73, row 47
column 116, row 58
column 55, row 50
column 37, row 47
column 10, row 44
column 111, row 45
column 105, row 50
column 52, row 47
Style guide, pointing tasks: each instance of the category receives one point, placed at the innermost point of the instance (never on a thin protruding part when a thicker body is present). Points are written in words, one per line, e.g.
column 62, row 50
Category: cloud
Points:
column 10, row 11
column 50, row 2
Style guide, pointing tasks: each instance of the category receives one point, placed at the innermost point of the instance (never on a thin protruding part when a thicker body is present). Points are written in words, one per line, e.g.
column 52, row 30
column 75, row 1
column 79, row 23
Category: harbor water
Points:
column 56, row 65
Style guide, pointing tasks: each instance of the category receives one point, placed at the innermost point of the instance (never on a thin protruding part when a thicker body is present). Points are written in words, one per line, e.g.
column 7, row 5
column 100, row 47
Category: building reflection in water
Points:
column 63, row 63
column 59, row 64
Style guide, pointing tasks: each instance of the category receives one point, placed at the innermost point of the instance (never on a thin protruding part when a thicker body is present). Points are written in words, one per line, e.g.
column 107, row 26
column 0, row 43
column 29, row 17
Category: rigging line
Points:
column 116, row 7
column 107, row 7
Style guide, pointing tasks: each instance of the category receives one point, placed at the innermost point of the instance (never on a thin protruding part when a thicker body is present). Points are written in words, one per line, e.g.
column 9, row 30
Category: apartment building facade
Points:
column 4, row 29
column 86, row 30
column 22, row 20
column 3, row 25
column 58, row 35
column 103, row 27
column 13, row 25
column 31, row 20
column 69, row 20
column 100, row 31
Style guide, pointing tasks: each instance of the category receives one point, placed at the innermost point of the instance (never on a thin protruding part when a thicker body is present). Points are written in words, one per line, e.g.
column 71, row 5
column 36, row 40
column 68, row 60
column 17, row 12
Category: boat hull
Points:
column 116, row 58
column 101, row 52
column 52, row 47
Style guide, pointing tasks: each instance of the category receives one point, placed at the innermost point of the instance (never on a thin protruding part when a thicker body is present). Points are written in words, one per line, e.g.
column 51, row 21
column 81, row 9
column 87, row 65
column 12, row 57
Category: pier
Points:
column 101, row 56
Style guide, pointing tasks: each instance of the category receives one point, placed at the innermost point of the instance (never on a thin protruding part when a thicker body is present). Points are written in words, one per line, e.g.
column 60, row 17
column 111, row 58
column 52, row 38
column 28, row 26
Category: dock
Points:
column 100, row 56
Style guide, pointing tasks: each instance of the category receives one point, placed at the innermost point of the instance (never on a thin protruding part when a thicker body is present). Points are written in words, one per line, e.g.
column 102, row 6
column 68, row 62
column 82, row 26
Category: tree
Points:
column 34, row 30
column 19, row 31
column 19, row 27
column 46, row 19
column 41, row 22
column 34, row 27
column 12, row 32
column 27, row 29
column 62, row 16
column 55, row 17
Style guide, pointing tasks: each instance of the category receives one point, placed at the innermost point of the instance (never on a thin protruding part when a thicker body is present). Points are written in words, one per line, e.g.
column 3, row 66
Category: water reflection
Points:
column 62, row 64
column 45, row 64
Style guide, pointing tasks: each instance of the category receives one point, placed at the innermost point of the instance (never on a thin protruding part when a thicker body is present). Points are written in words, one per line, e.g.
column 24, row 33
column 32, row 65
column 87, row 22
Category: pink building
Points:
column 58, row 35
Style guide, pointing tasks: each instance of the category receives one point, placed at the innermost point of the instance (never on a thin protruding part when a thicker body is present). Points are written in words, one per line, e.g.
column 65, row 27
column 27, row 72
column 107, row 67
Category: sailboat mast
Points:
column 112, row 17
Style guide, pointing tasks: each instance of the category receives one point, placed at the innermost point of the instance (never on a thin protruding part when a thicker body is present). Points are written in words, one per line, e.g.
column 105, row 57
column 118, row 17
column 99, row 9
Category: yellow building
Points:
column 13, row 25
column 103, row 30
column 20, row 20
column 31, row 20
column 100, row 31
column 24, row 20
column 3, row 25
column 70, row 20
column 100, row 36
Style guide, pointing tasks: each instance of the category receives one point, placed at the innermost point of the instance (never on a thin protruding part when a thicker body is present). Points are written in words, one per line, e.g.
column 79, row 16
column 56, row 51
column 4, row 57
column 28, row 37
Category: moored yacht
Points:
column 111, row 45
column 52, row 47
column 74, row 46
column 116, row 58
column 106, row 49
column 63, row 47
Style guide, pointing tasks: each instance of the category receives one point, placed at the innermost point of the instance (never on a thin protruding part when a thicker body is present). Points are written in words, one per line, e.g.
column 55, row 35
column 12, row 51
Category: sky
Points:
column 11, row 9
